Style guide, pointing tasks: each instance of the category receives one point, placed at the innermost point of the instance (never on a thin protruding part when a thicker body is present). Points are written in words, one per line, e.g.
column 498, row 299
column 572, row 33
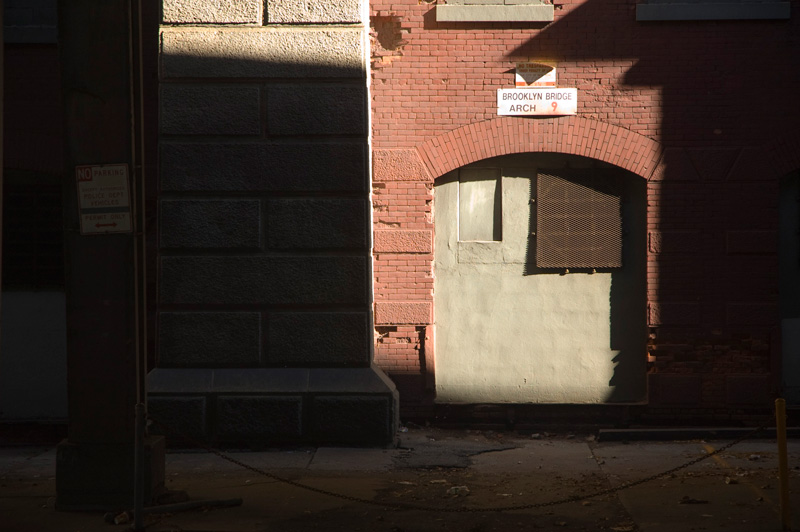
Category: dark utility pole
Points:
column 100, row 61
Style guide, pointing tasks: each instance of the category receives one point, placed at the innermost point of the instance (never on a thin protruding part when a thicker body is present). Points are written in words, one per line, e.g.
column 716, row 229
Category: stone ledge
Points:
column 494, row 13
column 269, row 405
column 181, row 381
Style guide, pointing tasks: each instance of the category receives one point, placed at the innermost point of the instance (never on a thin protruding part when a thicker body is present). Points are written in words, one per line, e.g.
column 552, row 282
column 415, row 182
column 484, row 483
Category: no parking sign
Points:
column 104, row 198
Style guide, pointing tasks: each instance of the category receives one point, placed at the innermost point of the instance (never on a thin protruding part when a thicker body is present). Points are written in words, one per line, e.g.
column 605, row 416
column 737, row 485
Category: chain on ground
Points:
column 406, row 506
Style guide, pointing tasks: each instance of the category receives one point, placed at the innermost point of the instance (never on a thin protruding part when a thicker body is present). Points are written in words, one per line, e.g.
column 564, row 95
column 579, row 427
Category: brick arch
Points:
column 572, row 135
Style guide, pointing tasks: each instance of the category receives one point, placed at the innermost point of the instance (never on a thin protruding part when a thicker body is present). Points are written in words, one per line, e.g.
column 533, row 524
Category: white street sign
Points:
column 537, row 102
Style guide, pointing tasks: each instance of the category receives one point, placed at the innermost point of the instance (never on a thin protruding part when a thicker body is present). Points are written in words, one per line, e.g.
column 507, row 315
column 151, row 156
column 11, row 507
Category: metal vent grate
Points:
column 579, row 222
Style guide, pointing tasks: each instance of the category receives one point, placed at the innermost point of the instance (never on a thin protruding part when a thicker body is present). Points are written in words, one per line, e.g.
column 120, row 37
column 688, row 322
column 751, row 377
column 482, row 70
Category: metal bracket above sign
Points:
column 533, row 74
column 104, row 198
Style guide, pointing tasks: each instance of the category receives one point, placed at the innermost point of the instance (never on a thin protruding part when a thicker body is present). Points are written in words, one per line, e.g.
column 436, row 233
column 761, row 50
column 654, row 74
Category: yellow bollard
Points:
column 783, row 463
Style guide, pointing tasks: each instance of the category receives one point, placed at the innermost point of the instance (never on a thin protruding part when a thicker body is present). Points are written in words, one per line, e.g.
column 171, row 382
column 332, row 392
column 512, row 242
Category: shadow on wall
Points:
column 628, row 326
column 714, row 195
column 263, row 230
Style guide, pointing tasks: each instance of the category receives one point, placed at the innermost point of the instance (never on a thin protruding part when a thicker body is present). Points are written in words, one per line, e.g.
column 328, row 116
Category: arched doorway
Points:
column 540, row 281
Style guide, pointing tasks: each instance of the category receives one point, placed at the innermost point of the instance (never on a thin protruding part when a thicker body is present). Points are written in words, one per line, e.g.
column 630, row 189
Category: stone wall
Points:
column 264, row 326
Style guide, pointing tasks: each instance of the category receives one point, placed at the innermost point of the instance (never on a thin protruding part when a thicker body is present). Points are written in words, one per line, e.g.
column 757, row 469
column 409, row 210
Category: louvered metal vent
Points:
column 579, row 222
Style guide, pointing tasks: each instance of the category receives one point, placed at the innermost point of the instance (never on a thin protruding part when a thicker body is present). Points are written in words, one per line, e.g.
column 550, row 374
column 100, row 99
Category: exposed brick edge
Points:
column 573, row 135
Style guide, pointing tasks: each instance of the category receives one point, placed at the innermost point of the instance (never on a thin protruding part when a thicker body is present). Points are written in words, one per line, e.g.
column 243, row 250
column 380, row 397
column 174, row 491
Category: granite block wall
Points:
column 264, row 227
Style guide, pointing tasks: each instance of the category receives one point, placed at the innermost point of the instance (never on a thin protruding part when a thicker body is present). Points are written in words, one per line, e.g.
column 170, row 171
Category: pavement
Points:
column 441, row 480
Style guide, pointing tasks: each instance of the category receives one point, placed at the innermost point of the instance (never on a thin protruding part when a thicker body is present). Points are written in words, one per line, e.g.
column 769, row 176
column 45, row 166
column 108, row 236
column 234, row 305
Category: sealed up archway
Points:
column 540, row 281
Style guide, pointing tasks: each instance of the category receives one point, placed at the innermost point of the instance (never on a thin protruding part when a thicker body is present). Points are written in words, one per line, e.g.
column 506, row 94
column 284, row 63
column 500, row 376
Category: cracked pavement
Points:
column 448, row 474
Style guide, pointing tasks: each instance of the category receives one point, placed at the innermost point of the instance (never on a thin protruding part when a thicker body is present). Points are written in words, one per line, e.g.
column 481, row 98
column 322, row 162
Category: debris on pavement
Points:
column 690, row 500
column 458, row 491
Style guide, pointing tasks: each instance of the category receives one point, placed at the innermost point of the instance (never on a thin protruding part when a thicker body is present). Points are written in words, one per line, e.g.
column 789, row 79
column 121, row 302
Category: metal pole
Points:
column 783, row 463
column 137, row 207
column 2, row 89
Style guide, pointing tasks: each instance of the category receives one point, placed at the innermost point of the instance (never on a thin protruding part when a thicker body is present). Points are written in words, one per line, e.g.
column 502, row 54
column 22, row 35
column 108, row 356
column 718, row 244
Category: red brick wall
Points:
column 703, row 110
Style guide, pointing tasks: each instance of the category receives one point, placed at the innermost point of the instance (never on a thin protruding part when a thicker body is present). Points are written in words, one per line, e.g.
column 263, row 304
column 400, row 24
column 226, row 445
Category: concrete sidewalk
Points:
column 446, row 471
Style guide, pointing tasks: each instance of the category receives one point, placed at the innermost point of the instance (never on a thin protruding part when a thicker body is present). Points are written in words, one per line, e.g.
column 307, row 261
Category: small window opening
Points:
column 479, row 205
